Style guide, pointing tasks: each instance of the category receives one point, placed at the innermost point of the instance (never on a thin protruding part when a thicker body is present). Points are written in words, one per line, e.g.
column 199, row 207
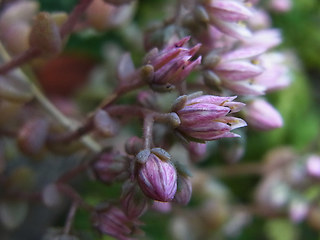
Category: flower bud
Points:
column 133, row 201
column 261, row 115
column 204, row 118
column 104, row 124
column 114, row 222
column 102, row 15
column 15, row 25
column 172, row 65
column 197, row 151
column 45, row 35
column 111, row 167
column 32, row 137
column 157, row 178
column 184, row 190
column 225, row 15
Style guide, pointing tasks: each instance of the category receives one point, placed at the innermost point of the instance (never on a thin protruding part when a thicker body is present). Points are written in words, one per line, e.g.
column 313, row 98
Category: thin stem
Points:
column 105, row 104
column 237, row 170
column 70, row 218
column 74, row 16
column 74, row 196
column 147, row 130
column 26, row 56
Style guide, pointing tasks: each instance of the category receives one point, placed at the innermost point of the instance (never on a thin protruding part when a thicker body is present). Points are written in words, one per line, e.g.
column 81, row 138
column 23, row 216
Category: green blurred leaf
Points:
column 281, row 229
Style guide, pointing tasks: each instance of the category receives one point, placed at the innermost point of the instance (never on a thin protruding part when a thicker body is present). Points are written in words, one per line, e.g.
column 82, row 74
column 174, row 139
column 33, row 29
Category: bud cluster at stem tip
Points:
column 157, row 176
column 204, row 117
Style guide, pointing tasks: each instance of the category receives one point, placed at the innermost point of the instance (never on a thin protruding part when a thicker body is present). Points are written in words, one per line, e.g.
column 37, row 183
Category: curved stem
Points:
column 70, row 217
column 105, row 104
column 147, row 130
column 26, row 56
column 69, row 25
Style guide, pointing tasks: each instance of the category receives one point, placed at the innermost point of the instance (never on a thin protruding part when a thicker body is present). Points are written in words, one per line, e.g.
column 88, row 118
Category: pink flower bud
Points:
column 157, row 178
column 15, row 25
column 111, row 167
column 133, row 200
column 105, row 124
column 276, row 74
column 114, row 222
column 184, row 191
column 225, row 15
column 259, row 20
column 102, row 15
column 246, row 87
column 228, row 10
column 197, row 151
column 237, row 70
column 261, row 115
column 205, row 118
column 265, row 39
column 173, row 64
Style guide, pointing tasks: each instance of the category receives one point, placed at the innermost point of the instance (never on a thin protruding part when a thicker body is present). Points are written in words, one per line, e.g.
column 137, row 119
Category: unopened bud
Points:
column 133, row 200
column 32, row 137
column 114, row 222
column 45, row 35
column 261, row 115
column 104, row 124
column 111, row 167
column 98, row 15
column 184, row 190
column 197, row 151
column 157, row 178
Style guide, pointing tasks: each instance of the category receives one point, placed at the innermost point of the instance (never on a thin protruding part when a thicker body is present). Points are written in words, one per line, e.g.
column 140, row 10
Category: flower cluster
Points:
column 209, row 53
